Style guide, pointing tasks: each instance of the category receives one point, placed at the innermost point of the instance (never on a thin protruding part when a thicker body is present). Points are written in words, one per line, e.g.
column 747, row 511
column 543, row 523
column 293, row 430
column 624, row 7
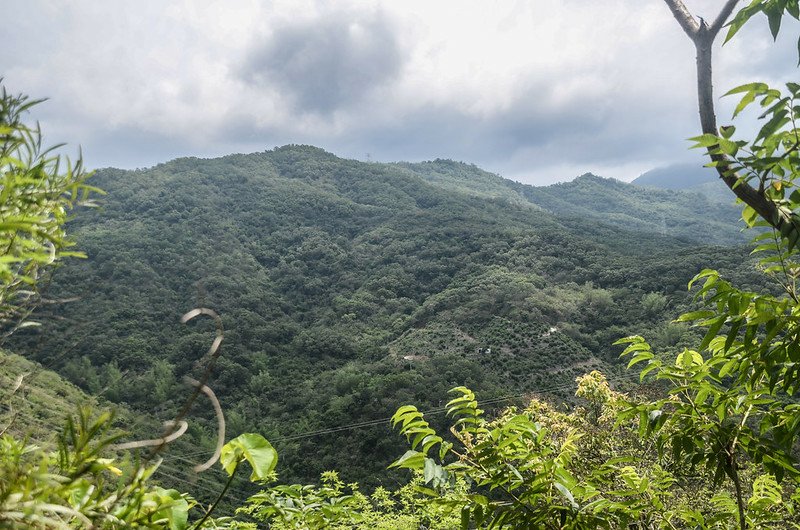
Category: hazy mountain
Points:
column 677, row 176
column 690, row 177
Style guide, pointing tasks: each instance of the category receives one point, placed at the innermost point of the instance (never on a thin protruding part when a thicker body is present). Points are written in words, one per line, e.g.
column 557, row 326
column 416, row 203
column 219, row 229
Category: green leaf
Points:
column 429, row 470
column 728, row 147
column 749, row 87
column 713, row 329
column 705, row 140
column 254, row 448
column 746, row 100
column 410, row 460
column 652, row 365
column 774, row 14
column 465, row 518
column 567, row 495
column 640, row 357
column 727, row 367
column 174, row 508
column 726, row 131
column 688, row 359
column 694, row 315
column 742, row 17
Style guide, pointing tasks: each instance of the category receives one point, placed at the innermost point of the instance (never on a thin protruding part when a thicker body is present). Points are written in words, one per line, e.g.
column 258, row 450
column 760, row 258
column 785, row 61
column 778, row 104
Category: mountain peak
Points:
column 676, row 176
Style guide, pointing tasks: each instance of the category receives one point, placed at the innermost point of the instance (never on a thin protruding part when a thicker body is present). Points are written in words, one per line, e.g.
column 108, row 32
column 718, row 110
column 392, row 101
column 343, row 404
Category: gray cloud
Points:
column 544, row 94
column 593, row 132
column 327, row 63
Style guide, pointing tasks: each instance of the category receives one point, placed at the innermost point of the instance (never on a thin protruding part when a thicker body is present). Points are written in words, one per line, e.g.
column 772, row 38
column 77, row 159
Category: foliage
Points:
column 769, row 162
column 729, row 415
column 307, row 507
column 540, row 468
column 499, row 283
column 38, row 190
column 536, row 468
column 738, row 397
column 76, row 487
column 774, row 10
column 253, row 449
column 722, row 419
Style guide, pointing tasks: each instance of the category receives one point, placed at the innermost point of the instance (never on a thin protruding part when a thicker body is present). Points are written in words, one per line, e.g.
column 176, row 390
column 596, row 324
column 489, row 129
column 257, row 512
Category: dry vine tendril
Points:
column 177, row 427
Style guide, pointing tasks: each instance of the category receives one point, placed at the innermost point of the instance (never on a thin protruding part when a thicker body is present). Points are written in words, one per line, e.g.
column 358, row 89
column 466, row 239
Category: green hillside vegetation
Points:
column 36, row 401
column 679, row 214
column 466, row 179
column 695, row 208
column 347, row 288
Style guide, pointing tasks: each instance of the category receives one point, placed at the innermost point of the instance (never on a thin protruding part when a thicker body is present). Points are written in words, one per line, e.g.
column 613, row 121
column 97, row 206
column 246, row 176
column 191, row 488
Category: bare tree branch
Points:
column 684, row 17
column 724, row 13
column 703, row 38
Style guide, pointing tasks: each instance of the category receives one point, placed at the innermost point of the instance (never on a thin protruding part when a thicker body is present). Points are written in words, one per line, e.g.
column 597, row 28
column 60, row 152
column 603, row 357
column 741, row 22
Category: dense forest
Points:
column 347, row 288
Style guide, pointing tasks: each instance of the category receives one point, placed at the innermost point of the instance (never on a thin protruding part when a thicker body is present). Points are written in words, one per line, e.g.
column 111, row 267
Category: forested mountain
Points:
column 349, row 288
column 695, row 208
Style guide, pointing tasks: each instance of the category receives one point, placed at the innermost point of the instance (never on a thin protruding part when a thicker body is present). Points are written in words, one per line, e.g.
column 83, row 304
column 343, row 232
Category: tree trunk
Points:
column 703, row 35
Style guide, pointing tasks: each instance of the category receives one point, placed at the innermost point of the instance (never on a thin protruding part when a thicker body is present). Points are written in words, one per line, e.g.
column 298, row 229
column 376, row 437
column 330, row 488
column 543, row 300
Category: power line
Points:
column 430, row 412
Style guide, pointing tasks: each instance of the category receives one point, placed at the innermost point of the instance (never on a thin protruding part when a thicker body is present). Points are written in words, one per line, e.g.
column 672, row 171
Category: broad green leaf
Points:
column 410, row 460
column 174, row 508
column 465, row 518
column 774, row 12
column 705, row 140
column 694, row 315
column 254, row 448
column 688, row 359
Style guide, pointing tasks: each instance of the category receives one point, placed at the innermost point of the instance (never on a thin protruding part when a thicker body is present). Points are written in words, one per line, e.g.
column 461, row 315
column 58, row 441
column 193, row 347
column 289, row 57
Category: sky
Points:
column 539, row 91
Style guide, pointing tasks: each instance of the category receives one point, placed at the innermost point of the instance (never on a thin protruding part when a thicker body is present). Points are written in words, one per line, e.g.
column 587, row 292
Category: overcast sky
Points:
column 537, row 90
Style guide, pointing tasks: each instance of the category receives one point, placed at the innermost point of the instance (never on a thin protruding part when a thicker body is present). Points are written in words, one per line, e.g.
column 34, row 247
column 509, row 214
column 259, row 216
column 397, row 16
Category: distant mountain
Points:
column 683, row 214
column 677, row 177
column 691, row 177
column 466, row 179
column 348, row 288
column 690, row 214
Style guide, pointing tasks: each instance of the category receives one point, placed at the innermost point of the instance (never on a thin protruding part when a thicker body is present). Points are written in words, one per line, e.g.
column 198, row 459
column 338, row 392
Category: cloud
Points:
column 328, row 62
column 539, row 91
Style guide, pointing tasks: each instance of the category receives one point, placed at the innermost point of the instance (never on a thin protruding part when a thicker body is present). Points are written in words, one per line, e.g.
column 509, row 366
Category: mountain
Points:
column 693, row 214
column 36, row 401
column 685, row 215
column 689, row 177
column 347, row 289
column 677, row 177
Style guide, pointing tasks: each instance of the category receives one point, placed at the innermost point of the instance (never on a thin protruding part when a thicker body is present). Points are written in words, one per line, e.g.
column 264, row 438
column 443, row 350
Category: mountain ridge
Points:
column 329, row 272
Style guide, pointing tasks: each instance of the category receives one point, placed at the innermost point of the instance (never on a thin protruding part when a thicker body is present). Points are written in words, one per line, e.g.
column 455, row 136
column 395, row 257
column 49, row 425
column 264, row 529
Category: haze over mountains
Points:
column 689, row 177
column 350, row 288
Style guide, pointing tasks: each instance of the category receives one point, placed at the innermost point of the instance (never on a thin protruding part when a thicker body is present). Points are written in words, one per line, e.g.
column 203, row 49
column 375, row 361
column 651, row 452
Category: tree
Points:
column 39, row 188
column 735, row 175
column 752, row 339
